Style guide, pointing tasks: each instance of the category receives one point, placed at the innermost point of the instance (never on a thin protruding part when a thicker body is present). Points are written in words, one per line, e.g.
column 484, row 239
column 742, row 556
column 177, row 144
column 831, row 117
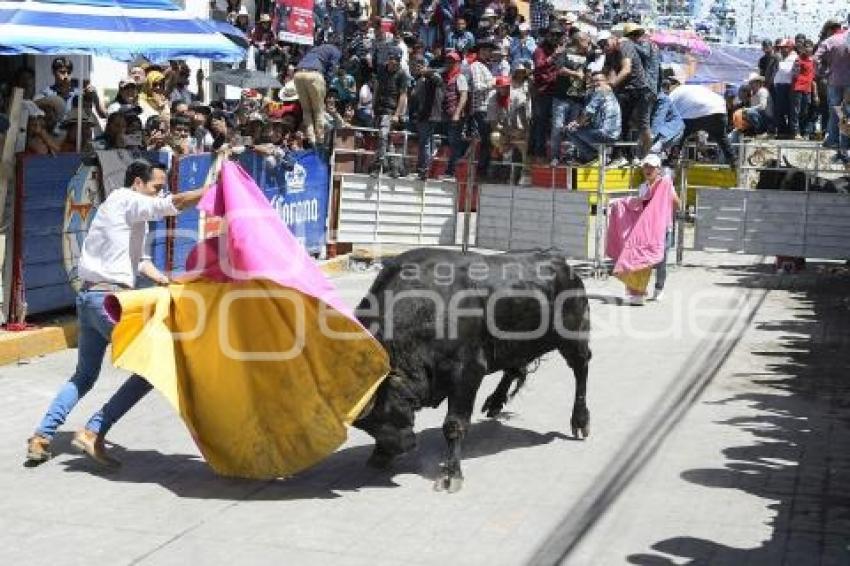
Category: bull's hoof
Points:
column 584, row 431
column 449, row 484
column 492, row 407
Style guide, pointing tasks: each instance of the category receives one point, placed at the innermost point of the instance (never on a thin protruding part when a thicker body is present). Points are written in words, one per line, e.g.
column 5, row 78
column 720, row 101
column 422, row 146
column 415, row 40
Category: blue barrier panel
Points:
column 56, row 211
column 300, row 195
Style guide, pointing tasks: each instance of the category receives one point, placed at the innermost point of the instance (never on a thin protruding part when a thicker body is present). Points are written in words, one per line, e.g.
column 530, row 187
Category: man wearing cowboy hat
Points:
column 759, row 116
column 262, row 38
column 631, row 82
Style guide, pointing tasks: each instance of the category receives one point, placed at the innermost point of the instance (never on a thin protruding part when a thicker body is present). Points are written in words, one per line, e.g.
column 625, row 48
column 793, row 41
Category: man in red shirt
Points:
column 803, row 91
column 545, row 74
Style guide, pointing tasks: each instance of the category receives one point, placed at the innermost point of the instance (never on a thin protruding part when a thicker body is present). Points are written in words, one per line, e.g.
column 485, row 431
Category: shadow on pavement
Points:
column 187, row 475
column 798, row 458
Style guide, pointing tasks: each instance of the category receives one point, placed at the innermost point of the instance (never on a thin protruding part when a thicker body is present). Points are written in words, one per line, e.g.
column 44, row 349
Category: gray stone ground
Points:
column 756, row 472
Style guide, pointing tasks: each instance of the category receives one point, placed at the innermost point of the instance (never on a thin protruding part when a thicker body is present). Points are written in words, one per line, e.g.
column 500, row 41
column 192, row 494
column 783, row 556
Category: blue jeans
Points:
column 585, row 141
column 95, row 333
column 425, row 132
column 800, row 112
column 563, row 112
column 661, row 267
column 834, row 94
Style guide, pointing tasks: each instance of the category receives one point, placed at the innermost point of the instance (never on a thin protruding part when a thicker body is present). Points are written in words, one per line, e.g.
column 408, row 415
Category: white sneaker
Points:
column 635, row 300
column 659, row 294
column 621, row 162
column 636, row 162
column 554, row 163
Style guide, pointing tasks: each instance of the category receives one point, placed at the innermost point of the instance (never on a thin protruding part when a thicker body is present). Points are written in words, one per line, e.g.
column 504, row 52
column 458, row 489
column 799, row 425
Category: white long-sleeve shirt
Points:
column 115, row 243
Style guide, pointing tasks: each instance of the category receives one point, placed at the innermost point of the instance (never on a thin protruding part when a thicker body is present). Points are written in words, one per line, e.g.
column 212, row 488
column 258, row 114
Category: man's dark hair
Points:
column 175, row 104
column 62, row 62
column 766, row 43
column 141, row 169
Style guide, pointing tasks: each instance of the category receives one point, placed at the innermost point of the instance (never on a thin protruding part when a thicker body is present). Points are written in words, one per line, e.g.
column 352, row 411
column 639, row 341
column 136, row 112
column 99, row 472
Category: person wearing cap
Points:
column 599, row 122
column 460, row 39
column 522, row 46
column 128, row 94
column 316, row 67
column 481, row 83
column 262, row 38
column 545, row 59
column 454, row 108
column 631, row 82
column 656, row 185
column 570, row 91
column 486, row 23
column 782, row 85
column 390, row 98
column 509, row 116
column 111, row 260
column 833, row 55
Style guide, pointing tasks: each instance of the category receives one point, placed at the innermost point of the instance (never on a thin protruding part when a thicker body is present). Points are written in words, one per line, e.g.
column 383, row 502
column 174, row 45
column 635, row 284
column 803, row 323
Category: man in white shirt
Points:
column 702, row 110
column 111, row 258
column 781, row 92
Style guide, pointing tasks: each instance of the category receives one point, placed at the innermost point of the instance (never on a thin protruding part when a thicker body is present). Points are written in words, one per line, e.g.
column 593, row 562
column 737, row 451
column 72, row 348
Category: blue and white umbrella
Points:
column 124, row 30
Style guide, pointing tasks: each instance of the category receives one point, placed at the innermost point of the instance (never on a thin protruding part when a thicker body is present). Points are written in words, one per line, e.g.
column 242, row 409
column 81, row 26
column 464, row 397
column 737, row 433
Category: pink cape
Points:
column 637, row 229
column 258, row 244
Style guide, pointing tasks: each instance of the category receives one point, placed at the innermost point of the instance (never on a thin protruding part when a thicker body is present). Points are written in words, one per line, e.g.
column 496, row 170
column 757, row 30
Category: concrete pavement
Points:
column 700, row 491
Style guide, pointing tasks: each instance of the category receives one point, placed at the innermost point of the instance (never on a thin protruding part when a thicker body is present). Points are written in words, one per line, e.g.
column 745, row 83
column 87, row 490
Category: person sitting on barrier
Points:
column 509, row 115
column 112, row 258
column 390, row 109
column 666, row 124
column 758, row 118
column 599, row 122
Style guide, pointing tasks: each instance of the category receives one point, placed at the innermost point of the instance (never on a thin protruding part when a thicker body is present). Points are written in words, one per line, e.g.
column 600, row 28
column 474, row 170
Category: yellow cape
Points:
column 266, row 378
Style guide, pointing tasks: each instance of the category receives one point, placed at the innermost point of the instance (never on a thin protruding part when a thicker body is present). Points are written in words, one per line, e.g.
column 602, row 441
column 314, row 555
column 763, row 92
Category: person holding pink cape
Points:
column 639, row 231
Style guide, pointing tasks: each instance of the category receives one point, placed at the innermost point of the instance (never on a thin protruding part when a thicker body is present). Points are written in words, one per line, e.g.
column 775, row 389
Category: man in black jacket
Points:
column 426, row 111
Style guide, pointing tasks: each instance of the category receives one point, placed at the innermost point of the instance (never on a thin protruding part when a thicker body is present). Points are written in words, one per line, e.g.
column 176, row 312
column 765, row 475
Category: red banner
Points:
column 295, row 21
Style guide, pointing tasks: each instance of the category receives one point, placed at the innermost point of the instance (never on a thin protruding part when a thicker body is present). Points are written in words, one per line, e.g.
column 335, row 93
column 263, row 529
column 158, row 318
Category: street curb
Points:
column 17, row 346
column 61, row 335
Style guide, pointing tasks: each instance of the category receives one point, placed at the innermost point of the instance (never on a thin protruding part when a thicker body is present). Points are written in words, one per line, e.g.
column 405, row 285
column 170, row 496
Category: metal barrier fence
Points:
column 755, row 157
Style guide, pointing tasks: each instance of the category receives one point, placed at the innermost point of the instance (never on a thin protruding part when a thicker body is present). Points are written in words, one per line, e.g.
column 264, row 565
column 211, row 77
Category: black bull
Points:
column 447, row 319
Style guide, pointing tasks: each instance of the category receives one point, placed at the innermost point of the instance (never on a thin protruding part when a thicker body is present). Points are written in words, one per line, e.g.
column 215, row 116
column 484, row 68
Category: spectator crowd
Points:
column 545, row 89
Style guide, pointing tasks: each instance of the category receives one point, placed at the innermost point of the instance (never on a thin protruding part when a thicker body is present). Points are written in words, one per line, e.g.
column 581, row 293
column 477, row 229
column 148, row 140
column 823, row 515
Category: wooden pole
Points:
column 7, row 181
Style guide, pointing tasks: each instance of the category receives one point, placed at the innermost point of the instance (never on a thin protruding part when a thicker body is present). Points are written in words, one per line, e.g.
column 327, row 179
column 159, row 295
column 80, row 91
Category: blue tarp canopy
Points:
column 124, row 30
column 729, row 64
